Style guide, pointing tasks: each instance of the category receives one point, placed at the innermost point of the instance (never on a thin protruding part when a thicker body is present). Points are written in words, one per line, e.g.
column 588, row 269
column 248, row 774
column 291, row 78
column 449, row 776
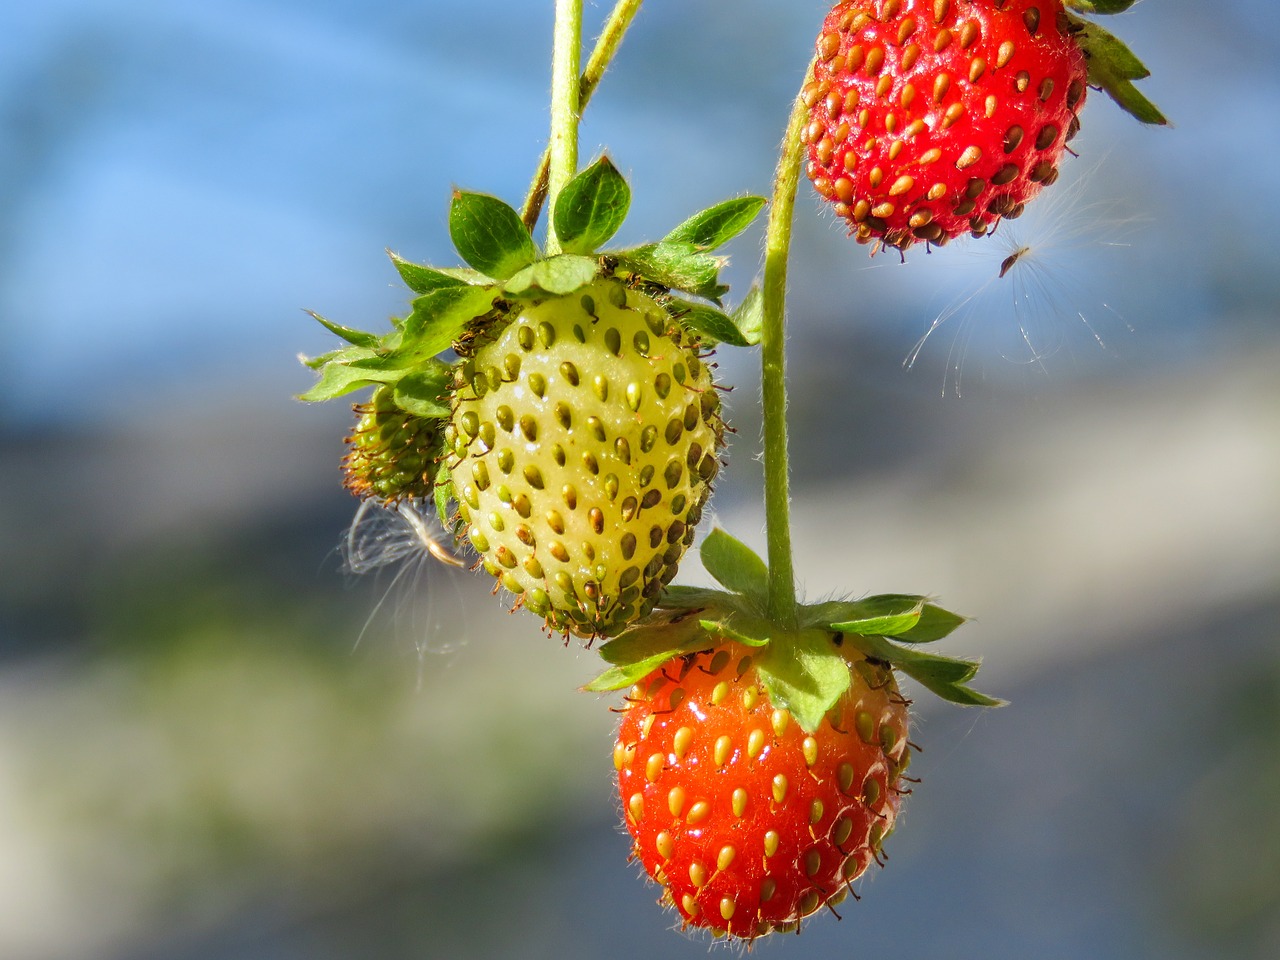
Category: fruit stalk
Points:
column 773, row 378
column 610, row 39
column 566, row 56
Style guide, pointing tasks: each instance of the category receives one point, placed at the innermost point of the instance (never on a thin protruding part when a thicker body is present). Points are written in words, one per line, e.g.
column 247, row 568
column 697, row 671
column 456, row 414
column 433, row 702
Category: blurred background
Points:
column 215, row 743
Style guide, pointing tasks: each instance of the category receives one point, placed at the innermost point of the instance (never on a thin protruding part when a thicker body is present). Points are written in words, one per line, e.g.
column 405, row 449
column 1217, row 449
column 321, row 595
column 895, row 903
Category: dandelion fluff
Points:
column 1034, row 293
column 421, row 599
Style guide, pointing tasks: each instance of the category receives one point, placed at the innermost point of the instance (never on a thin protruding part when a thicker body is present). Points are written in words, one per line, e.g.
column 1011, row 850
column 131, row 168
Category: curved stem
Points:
column 602, row 54
column 777, row 494
column 565, row 56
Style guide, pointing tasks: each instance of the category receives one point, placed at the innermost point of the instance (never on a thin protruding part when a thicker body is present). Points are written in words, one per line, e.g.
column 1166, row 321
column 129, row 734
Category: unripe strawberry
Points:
column 391, row 453
column 582, row 445
column 929, row 119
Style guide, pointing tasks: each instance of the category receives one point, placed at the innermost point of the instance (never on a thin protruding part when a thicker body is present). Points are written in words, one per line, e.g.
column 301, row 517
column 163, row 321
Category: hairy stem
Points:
column 601, row 56
column 777, row 494
column 565, row 56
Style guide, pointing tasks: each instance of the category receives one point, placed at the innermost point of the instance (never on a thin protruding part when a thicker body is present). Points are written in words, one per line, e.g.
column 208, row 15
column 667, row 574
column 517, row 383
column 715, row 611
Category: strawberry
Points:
column 760, row 763
column 930, row 118
column 749, row 822
column 391, row 453
column 558, row 407
column 583, row 442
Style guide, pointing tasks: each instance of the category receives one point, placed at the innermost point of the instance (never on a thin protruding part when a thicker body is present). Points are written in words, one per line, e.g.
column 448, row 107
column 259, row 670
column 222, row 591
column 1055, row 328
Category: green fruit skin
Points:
column 391, row 453
column 583, row 441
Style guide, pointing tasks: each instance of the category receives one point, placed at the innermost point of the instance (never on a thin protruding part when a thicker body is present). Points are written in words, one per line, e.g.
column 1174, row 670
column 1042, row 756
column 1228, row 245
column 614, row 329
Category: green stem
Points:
column 615, row 28
column 777, row 495
column 565, row 58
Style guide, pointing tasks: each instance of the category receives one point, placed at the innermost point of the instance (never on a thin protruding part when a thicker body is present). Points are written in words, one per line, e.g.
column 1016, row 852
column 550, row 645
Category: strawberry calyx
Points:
column 1112, row 65
column 805, row 666
column 455, row 306
column 415, row 366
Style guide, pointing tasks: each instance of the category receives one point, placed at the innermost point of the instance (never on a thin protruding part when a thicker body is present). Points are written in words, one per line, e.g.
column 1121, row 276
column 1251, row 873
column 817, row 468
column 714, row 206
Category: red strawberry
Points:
column 748, row 822
column 930, row 118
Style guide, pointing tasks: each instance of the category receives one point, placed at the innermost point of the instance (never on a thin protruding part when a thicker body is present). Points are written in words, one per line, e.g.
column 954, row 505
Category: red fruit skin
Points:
column 749, row 823
column 932, row 118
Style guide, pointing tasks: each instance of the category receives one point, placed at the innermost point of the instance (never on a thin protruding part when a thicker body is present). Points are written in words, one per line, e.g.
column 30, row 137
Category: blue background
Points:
column 216, row 744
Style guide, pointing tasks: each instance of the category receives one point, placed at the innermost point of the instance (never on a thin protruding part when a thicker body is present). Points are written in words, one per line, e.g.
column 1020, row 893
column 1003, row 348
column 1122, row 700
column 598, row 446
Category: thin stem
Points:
column 565, row 58
column 777, row 495
column 602, row 55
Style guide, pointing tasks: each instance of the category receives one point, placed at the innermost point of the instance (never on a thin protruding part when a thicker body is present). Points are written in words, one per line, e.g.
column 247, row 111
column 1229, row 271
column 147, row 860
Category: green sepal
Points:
column 934, row 624
column 943, row 676
column 680, row 597
column 677, row 265
column 440, row 317
column 748, row 316
column 342, row 355
column 905, row 617
column 1113, row 67
column 443, row 496
column 554, row 276
column 883, row 616
column 645, row 647
column 804, row 673
column 591, row 208
column 717, row 225
column 422, row 279
column 1100, row 6
column 337, row 379
column 721, row 628
column 425, row 391
column 715, row 326
column 355, row 337
column 734, row 564
column 489, row 235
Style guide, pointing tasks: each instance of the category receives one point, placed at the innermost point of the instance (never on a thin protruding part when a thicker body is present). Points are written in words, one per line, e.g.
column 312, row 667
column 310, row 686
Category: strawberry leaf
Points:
column 591, row 208
column 1113, row 67
column 555, row 276
column 734, row 564
column 714, row 325
column 422, row 392
column 421, row 279
column 804, row 674
column 490, row 235
column 717, row 225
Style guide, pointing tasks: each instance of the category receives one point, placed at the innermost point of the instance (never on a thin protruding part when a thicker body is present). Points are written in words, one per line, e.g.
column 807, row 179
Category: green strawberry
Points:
column 391, row 453
column 582, row 445
column 562, row 402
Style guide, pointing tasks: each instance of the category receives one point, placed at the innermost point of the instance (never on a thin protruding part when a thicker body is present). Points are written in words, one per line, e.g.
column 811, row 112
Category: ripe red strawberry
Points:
column 932, row 118
column 750, row 823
